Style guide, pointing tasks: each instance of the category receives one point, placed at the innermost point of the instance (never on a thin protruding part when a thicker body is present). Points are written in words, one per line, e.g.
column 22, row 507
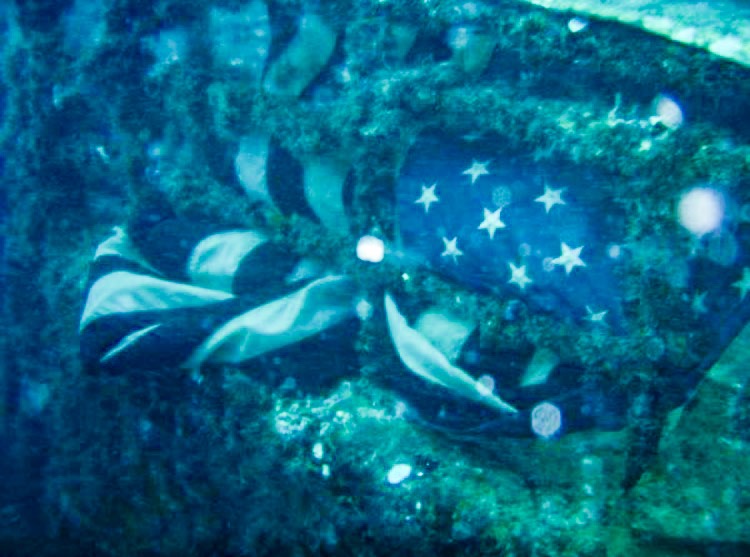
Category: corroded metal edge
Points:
column 721, row 27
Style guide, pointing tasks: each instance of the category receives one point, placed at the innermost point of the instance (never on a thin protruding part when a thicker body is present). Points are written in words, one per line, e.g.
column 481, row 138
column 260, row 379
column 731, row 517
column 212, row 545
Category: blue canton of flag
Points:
column 511, row 228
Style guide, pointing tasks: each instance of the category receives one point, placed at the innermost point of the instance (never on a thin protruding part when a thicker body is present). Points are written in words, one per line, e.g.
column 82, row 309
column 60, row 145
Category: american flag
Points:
column 552, row 236
column 555, row 237
column 513, row 228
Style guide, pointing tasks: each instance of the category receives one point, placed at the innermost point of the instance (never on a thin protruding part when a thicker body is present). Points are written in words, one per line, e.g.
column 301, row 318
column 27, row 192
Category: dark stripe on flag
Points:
column 263, row 272
column 168, row 244
column 285, row 181
column 178, row 333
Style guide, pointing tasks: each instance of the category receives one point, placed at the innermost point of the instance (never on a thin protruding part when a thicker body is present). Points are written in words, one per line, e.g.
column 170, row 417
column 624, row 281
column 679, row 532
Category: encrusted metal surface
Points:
column 721, row 27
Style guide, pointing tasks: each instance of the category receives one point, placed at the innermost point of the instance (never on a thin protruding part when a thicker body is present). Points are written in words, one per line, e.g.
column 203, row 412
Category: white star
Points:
column 744, row 283
column 550, row 198
column 491, row 222
column 596, row 316
column 428, row 196
column 476, row 170
column 519, row 276
column 698, row 304
column 451, row 249
column 569, row 258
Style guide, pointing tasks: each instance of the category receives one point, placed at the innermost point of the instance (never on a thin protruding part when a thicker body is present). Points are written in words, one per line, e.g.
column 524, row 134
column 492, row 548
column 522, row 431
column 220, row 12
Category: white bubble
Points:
column 546, row 419
column 701, row 210
column 614, row 251
column 370, row 248
column 398, row 473
column 668, row 112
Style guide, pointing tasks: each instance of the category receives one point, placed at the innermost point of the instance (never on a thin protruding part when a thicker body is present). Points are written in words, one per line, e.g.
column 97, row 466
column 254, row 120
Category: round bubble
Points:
column 370, row 248
column 668, row 112
column 502, row 196
column 614, row 251
column 701, row 210
column 546, row 420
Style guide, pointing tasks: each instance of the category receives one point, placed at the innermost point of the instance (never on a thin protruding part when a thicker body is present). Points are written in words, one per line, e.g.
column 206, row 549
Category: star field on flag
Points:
column 496, row 232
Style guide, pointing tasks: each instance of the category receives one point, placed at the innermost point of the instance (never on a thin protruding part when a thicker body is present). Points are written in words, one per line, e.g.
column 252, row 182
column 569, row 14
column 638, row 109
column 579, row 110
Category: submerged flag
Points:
column 171, row 293
column 557, row 237
column 548, row 235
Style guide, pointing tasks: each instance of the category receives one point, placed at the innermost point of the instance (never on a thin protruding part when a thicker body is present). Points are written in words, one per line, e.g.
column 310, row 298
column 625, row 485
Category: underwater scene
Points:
column 375, row 278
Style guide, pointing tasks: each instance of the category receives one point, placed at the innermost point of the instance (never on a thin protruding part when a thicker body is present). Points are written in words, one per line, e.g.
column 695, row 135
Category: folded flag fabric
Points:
column 171, row 294
column 241, row 297
column 557, row 238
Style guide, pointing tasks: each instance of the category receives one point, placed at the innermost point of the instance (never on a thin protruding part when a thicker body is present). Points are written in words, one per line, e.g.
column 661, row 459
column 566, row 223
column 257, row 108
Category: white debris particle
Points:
column 102, row 152
column 486, row 385
column 458, row 37
column 668, row 112
column 370, row 248
column 317, row 450
column 398, row 473
column 577, row 24
column 364, row 309
column 614, row 251
column 325, row 471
